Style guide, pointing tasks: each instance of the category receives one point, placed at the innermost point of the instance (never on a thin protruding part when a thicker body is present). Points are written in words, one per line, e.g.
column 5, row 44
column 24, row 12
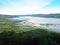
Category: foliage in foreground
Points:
column 35, row 37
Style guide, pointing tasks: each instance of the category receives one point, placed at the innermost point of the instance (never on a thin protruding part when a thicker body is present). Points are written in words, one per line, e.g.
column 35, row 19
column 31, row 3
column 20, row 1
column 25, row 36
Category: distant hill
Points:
column 47, row 15
column 34, row 15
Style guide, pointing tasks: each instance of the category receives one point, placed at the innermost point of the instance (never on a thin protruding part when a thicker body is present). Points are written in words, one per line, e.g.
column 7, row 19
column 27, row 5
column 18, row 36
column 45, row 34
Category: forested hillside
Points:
column 10, row 34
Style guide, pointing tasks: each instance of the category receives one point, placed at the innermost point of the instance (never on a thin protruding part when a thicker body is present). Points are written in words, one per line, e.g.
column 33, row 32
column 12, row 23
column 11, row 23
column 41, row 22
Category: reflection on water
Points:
column 47, row 23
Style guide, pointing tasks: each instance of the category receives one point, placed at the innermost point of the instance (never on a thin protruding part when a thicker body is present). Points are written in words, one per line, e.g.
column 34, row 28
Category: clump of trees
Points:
column 34, row 37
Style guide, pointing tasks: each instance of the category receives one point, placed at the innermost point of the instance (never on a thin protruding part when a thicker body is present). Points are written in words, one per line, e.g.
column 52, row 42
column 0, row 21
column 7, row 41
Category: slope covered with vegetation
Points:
column 13, row 35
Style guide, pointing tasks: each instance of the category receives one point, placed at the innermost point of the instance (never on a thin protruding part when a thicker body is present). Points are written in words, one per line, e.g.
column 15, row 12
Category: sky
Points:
column 21, row 7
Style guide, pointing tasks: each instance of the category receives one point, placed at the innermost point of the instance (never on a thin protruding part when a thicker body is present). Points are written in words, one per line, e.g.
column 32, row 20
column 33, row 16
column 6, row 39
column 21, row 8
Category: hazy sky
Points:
column 29, row 6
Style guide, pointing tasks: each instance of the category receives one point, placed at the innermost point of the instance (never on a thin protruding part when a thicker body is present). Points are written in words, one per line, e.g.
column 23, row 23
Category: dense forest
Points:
column 13, row 35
